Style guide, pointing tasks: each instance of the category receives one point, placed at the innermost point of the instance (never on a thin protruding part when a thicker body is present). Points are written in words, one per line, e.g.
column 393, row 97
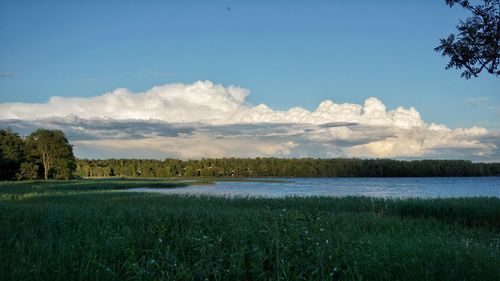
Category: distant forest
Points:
column 282, row 167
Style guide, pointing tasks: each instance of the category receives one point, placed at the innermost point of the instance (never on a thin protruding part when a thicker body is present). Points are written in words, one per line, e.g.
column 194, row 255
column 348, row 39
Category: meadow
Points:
column 90, row 230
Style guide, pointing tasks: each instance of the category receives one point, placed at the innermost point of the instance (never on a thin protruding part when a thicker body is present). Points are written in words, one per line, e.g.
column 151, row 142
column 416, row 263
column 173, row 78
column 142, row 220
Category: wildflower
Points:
column 159, row 240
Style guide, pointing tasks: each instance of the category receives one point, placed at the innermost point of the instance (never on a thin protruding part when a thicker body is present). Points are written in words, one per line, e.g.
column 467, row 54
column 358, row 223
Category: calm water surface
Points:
column 375, row 187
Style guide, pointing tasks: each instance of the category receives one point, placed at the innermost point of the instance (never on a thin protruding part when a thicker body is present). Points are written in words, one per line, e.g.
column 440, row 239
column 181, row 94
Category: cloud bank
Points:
column 204, row 119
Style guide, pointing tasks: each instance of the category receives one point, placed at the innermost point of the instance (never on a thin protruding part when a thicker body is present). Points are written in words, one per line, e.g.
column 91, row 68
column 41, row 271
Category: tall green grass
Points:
column 86, row 230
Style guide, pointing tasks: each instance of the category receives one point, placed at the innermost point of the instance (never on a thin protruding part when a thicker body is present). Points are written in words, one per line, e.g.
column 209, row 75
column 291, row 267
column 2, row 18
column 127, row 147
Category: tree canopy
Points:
column 44, row 153
column 476, row 45
column 282, row 167
column 11, row 153
column 52, row 150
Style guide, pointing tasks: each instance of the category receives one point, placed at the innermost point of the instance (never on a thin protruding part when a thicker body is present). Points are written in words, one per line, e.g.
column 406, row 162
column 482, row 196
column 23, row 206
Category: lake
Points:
column 375, row 187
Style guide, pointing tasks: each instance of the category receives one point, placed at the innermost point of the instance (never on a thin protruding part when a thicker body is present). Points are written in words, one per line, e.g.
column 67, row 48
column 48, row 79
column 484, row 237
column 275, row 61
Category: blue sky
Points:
column 286, row 53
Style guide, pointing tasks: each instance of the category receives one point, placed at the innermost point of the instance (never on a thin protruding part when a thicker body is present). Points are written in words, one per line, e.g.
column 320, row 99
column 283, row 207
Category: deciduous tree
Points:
column 476, row 46
column 53, row 151
column 11, row 153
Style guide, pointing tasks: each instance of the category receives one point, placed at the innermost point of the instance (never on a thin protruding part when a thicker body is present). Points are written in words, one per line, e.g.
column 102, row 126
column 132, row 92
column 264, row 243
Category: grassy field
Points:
column 89, row 230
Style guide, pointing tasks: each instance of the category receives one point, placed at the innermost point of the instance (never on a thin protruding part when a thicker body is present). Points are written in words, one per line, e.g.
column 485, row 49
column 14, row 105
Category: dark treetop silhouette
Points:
column 476, row 46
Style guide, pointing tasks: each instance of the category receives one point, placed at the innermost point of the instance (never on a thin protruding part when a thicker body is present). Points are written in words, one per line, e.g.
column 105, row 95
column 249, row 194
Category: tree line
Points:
column 47, row 154
column 44, row 154
column 282, row 167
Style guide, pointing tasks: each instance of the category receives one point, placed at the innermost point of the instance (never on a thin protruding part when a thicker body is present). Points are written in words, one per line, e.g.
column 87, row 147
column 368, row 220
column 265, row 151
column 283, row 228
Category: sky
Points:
column 193, row 79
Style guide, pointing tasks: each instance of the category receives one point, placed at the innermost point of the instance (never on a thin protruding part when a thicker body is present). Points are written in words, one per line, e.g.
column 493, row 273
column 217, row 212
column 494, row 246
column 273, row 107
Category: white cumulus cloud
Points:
column 204, row 119
column 209, row 103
